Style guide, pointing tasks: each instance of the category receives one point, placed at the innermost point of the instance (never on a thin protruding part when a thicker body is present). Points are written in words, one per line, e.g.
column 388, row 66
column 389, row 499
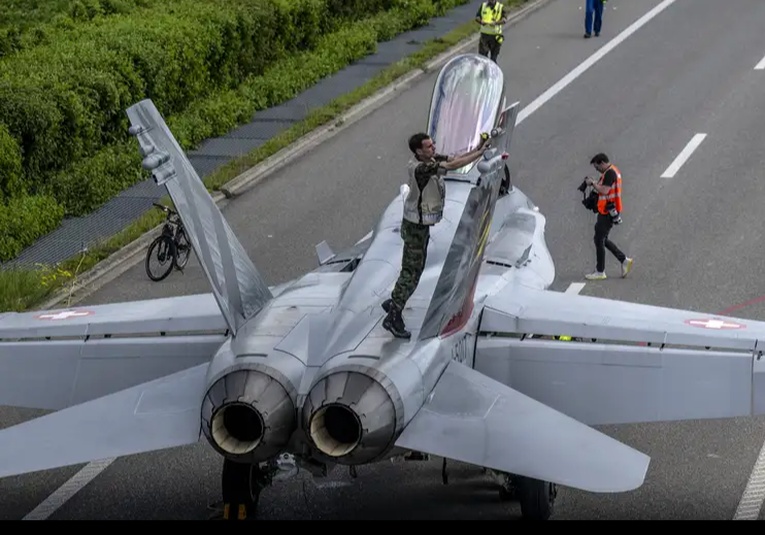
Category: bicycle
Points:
column 172, row 246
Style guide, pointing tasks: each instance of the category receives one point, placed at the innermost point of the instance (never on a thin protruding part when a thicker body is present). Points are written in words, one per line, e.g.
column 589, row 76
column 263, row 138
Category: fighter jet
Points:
column 306, row 369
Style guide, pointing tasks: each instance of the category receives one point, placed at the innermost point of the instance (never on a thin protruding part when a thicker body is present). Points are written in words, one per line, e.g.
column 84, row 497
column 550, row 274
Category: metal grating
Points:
column 227, row 147
column 263, row 129
column 68, row 240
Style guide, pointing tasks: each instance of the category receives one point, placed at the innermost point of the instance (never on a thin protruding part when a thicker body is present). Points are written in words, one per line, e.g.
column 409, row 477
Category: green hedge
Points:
column 11, row 181
column 29, row 23
column 66, row 100
column 24, row 219
column 24, row 14
column 65, row 124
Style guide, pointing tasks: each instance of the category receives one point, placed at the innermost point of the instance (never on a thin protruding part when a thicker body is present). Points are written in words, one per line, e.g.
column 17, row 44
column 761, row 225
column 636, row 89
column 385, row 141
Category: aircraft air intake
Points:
column 247, row 415
column 351, row 418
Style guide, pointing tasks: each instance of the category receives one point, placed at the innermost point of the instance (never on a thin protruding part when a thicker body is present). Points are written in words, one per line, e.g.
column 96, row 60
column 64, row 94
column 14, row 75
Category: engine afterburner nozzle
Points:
column 248, row 415
column 351, row 418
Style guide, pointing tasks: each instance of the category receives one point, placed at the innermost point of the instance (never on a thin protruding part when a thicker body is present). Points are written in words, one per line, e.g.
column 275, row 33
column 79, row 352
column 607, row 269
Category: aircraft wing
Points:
column 524, row 310
column 474, row 419
column 646, row 364
column 160, row 414
column 53, row 359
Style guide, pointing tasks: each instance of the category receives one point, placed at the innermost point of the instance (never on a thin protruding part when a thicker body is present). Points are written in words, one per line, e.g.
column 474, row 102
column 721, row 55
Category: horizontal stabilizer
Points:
column 474, row 419
column 55, row 359
column 163, row 413
column 641, row 383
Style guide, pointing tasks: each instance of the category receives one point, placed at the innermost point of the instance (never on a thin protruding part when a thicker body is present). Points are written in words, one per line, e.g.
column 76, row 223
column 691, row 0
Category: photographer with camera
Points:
column 606, row 201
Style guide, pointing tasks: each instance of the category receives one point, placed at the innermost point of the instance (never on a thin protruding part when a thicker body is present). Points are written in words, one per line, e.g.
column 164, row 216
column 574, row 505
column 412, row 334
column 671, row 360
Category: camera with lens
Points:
column 616, row 217
column 589, row 201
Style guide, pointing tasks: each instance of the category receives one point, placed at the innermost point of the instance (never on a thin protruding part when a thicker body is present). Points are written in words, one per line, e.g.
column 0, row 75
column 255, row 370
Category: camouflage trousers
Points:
column 416, row 238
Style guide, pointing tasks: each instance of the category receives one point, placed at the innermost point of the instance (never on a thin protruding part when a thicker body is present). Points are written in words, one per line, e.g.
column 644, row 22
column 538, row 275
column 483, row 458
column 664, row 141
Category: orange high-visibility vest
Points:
column 614, row 194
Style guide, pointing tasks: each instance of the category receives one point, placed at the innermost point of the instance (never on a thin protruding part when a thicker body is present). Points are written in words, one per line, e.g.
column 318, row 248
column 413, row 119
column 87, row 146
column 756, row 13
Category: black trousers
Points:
column 489, row 46
column 603, row 226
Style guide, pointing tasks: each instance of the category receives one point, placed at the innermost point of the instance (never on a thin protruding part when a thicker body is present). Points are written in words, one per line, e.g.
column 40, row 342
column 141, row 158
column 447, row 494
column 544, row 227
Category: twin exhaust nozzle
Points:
column 249, row 416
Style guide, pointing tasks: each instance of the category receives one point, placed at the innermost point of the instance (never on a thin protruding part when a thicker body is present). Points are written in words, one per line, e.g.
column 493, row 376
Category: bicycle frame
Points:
column 173, row 222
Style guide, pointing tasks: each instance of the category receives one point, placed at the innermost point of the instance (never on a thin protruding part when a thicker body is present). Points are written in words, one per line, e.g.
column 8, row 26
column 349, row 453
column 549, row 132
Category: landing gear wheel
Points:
column 507, row 489
column 536, row 497
column 505, row 494
column 241, row 486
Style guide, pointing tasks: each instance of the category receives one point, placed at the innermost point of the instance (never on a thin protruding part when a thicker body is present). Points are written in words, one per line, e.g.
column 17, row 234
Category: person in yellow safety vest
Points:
column 491, row 17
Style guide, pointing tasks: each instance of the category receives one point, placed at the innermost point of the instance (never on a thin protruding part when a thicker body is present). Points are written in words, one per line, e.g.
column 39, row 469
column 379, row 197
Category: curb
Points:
column 131, row 254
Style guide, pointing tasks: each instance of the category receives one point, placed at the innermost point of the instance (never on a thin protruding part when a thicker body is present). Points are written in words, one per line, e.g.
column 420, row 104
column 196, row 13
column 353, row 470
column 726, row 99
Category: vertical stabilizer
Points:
column 452, row 301
column 239, row 289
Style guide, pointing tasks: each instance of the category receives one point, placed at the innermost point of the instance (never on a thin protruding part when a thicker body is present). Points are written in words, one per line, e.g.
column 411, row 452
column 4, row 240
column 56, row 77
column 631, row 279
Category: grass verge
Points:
column 25, row 289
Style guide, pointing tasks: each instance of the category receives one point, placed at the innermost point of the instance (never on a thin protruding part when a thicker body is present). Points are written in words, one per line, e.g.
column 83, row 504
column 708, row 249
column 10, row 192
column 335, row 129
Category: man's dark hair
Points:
column 415, row 142
column 599, row 158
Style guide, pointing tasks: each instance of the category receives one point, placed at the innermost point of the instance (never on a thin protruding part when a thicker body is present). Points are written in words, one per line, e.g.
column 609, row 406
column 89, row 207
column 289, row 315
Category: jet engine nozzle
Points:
column 248, row 415
column 335, row 429
column 351, row 418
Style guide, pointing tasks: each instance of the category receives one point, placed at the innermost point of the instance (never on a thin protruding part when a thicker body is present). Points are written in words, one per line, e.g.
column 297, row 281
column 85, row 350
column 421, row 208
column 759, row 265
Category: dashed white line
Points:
column 589, row 62
column 760, row 66
column 754, row 494
column 65, row 492
column 675, row 166
column 575, row 288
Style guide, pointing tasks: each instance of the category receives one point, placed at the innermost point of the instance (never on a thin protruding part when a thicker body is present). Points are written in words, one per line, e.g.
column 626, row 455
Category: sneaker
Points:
column 394, row 324
column 587, row 36
column 596, row 276
column 627, row 266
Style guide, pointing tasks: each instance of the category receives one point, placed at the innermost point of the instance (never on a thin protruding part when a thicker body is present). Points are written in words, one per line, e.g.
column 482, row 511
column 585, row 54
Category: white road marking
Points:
column 589, row 62
column 65, row 492
column 754, row 494
column 575, row 287
column 760, row 66
column 87, row 474
column 675, row 166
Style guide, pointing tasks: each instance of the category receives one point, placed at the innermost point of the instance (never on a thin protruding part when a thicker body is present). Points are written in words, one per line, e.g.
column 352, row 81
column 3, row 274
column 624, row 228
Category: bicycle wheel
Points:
column 163, row 249
column 182, row 249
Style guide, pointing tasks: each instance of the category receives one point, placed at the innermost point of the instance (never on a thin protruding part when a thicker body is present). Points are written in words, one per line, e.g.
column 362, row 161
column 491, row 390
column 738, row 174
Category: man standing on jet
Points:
column 424, row 207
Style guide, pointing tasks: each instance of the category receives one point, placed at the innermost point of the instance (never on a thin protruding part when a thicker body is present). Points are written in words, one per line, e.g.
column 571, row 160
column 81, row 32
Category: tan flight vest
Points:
column 430, row 201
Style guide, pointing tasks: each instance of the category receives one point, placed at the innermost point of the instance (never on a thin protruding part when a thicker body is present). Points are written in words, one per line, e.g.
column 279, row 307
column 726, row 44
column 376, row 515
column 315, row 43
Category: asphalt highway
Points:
column 695, row 236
